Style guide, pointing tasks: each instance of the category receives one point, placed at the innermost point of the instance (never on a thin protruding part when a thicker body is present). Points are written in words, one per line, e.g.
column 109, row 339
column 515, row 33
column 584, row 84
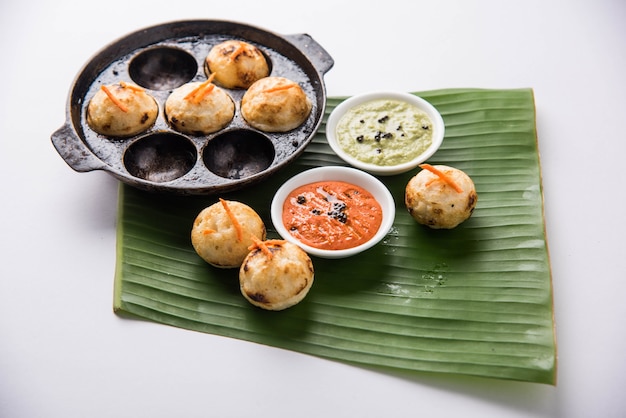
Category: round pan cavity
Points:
column 160, row 59
column 162, row 68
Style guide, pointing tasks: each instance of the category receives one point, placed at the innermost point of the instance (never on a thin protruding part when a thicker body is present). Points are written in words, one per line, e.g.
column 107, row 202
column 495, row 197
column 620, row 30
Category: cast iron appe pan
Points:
column 163, row 57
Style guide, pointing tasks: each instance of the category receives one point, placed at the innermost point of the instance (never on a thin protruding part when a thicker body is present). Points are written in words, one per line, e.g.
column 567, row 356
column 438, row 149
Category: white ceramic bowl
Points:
column 343, row 107
column 335, row 173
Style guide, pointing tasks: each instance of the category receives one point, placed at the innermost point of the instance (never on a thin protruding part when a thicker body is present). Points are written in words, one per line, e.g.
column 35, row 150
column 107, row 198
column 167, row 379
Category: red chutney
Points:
column 332, row 215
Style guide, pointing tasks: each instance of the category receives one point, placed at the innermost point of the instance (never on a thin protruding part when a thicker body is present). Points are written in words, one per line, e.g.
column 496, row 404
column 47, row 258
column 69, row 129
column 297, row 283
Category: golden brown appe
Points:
column 236, row 64
column 199, row 114
column 275, row 104
column 221, row 241
column 434, row 202
column 277, row 277
column 121, row 110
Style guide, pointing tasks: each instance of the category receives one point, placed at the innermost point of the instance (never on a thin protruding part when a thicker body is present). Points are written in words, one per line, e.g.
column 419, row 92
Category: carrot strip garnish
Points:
column 260, row 245
column 443, row 176
column 131, row 87
column 233, row 220
column 278, row 88
column 200, row 87
column 195, row 91
column 114, row 99
column 208, row 231
column 198, row 97
column 238, row 51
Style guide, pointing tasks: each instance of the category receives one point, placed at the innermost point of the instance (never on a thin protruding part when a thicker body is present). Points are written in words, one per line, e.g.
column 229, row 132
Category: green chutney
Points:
column 385, row 132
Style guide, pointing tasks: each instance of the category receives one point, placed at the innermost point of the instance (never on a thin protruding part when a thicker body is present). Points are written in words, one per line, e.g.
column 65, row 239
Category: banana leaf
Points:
column 476, row 300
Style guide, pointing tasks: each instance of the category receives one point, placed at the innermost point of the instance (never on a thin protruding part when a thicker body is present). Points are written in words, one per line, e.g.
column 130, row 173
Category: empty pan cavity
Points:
column 160, row 157
column 162, row 68
column 238, row 154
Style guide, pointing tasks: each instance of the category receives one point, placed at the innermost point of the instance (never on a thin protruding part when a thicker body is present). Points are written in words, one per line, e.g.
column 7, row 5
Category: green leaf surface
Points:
column 475, row 300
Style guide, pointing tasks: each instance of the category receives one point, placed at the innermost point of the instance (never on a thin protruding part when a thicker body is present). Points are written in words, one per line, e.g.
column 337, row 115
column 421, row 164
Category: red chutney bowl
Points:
column 334, row 174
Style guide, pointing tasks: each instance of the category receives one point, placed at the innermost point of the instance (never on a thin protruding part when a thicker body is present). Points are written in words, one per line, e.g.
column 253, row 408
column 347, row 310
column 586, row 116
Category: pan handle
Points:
column 74, row 151
column 314, row 51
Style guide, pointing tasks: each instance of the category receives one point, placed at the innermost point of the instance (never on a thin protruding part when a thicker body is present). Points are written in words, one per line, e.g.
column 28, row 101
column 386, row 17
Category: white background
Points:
column 64, row 353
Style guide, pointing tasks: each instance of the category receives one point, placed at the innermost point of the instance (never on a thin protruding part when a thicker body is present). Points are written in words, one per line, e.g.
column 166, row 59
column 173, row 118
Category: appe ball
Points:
column 199, row 108
column 440, row 201
column 236, row 64
column 275, row 104
column 121, row 110
column 222, row 233
column 276, row 275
